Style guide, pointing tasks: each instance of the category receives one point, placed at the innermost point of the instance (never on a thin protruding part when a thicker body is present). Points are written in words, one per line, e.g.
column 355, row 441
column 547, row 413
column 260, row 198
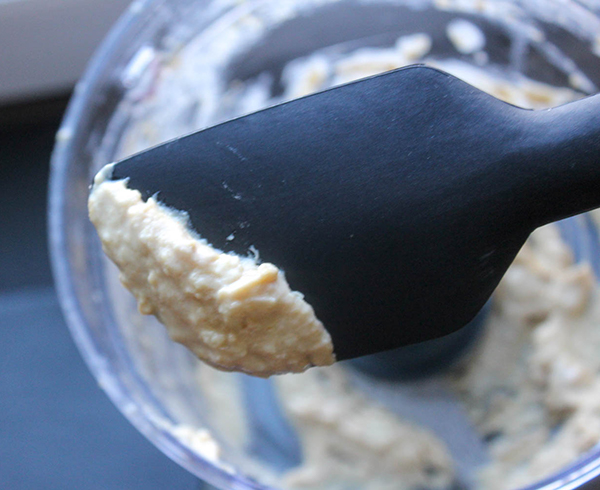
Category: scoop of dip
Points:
column 230, row 311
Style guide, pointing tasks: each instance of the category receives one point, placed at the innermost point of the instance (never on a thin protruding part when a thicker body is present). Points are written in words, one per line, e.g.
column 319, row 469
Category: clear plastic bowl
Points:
column 152, row 380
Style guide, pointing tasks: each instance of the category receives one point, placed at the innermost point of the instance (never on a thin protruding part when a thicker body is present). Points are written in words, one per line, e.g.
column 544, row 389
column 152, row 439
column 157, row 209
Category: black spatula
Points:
column 394, row 204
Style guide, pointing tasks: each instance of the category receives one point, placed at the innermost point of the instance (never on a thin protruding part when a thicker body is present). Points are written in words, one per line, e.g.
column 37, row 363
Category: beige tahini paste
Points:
column 231, row 312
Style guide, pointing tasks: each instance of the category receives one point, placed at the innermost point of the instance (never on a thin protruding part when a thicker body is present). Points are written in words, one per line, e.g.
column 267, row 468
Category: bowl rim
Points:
column 80, row 108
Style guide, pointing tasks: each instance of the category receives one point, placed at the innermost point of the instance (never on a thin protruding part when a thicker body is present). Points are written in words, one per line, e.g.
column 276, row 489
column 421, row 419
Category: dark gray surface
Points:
column 58, row 430
column 24, row 154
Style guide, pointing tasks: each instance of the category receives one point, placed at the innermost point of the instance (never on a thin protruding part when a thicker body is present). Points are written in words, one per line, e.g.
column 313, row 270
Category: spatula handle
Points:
column 562, row 155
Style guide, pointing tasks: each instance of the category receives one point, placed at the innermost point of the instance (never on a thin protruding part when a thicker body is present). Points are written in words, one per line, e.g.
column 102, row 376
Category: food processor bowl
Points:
column 213, row 51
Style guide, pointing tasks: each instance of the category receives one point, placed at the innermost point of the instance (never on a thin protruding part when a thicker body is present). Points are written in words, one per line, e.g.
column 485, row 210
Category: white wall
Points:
column 45, row 44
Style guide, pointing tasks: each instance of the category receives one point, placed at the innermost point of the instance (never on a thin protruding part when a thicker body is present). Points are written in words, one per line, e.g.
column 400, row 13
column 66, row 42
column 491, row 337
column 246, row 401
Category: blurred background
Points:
column 57, row 428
